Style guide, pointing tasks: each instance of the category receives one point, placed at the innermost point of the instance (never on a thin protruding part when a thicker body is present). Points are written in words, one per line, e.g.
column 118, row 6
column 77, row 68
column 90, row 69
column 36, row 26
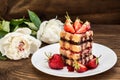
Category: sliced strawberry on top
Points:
column 79, row 67
column 68, row 26
column 82, row 29
column 77, row 24
column 68, row 20
column 85, row 27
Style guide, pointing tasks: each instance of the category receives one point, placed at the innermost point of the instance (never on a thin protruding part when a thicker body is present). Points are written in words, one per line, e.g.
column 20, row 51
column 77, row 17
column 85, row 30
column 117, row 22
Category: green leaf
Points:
column 34, row 33
column 31, row 25
column 34, row 18
column 1, row 26
column 16, row 22
column 2, row 57
column 2, row 33
column 6, row 26
column 16, row 27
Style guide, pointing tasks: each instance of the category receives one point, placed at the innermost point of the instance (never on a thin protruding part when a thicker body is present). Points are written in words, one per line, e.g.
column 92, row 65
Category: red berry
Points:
column 93, row 63
column 70, row 68
column 85, row 27
column 68, row 26
column 79, row 67
column 77, row 24
column 56, row 62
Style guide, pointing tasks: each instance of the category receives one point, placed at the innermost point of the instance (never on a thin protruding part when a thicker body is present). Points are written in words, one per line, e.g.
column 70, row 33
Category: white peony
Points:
column 19, row 44
column 49, row 31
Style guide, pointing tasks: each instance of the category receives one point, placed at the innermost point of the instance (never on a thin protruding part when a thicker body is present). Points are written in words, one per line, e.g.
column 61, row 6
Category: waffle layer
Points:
column 76, row 46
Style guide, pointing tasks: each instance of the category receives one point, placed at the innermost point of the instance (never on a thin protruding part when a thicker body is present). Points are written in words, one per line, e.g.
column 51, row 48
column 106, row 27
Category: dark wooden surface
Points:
column 96, row 11
column 108, row 35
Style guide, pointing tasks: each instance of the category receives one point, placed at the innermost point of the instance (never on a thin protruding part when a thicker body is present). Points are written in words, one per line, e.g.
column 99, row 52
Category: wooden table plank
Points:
column 108, row 35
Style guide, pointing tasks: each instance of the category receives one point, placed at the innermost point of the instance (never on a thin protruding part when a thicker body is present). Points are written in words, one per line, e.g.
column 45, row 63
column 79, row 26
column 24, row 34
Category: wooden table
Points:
column 108, row 35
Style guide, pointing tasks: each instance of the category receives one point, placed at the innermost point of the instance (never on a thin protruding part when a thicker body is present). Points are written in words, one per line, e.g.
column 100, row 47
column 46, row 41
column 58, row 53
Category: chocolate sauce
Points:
column 77, row 43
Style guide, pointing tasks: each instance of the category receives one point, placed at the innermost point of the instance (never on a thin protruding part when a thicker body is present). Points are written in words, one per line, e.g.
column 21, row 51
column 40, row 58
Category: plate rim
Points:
column 115, row 61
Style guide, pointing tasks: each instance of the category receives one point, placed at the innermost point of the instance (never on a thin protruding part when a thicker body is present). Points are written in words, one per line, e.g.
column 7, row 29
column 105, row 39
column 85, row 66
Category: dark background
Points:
column 95, row 11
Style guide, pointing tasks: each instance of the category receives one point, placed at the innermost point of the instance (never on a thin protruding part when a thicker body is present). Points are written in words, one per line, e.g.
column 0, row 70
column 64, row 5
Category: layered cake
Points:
column 76, row 42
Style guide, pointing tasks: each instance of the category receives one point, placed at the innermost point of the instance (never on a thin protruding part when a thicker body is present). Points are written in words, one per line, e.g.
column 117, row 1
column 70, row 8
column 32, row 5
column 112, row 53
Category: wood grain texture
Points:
column 108, row 35
column 97, row 11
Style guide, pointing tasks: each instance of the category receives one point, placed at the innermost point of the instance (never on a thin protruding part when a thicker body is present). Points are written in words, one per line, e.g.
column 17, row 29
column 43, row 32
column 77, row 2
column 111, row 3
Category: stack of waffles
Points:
column 76, row 46
column 76, row 42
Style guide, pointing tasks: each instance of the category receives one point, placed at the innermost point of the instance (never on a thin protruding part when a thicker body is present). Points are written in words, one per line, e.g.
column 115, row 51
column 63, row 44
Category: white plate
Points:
column 106, row 61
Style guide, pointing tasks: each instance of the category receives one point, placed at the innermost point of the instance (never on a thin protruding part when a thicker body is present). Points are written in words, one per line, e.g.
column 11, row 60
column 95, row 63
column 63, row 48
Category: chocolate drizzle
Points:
column 77, row 43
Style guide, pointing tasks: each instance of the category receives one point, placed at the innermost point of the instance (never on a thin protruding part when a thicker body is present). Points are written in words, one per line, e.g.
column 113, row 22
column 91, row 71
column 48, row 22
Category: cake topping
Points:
column 85, row 27
column 77, row 24
column 76, row 27
column 68, row 26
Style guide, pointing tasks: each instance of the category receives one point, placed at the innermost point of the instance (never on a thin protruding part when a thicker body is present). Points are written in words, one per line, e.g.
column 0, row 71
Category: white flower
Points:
column 24, row 31
column 49, row 31
column 19, row 44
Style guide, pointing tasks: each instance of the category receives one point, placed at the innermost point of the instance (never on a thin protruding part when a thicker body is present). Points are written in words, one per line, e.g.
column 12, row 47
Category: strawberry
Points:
column 70, row 68
column 93, row 63
column 55, row 61
column 85, row 27
column 79, row 67
column 77, row 24
column 68, row 18
column 68, row 26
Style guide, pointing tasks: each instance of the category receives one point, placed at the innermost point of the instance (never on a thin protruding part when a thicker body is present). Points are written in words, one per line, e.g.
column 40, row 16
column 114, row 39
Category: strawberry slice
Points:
column 85, row 27
column 79, row 67
column 77, row 24
column 68, row 26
